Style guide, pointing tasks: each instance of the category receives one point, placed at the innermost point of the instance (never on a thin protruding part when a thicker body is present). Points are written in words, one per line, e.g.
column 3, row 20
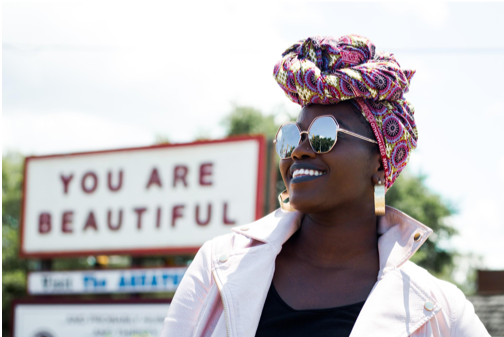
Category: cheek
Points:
column 349, row 168
column 284, row 166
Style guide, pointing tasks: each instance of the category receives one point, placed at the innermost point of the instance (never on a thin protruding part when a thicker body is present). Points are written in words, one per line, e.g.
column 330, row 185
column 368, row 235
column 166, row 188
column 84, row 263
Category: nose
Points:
column 303, row 150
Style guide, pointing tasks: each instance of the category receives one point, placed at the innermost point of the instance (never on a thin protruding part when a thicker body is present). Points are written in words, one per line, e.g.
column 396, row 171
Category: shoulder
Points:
column 448, row 295
column 458, row 311
column 222, row 244
column 436, row 287
column 225, row 244
column 272, row 230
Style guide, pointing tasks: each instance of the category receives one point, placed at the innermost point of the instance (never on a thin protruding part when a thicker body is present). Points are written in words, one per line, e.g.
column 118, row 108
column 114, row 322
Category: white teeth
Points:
column 305, row 172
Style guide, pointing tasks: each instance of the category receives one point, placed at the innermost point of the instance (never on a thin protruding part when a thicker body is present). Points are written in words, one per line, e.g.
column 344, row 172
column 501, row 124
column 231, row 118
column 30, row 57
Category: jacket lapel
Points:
column 246, row 276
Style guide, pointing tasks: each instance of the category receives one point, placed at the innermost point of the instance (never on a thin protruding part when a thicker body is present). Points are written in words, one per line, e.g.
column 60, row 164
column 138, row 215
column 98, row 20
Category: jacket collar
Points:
column 395, row 306
column 401, row 236
column 396, row 244
column 275, row 228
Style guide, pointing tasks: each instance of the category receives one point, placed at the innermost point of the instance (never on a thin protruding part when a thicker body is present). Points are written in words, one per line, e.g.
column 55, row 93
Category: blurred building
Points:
column 489, row 301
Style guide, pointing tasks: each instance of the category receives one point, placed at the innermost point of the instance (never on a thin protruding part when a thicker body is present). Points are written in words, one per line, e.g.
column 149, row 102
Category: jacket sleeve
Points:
column 467, row 323
column 188, row 301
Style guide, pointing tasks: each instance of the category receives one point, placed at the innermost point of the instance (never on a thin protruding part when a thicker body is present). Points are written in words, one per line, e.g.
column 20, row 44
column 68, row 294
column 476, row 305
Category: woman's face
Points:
column 349, row 170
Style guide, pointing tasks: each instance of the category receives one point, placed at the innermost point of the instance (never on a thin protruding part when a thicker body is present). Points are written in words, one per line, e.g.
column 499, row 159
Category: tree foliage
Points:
column 244, row 120
column 13, row 268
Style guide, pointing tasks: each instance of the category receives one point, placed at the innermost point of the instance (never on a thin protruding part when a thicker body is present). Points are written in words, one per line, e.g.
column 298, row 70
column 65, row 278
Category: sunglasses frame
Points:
column 338, row 129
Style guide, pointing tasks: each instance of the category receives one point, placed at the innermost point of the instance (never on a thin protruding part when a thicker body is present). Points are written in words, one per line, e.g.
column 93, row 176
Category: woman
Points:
column 333, row 261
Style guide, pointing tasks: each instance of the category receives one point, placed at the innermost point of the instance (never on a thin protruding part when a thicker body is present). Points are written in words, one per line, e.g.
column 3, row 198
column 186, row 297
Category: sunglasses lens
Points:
column 323, row 134
column 287, row 139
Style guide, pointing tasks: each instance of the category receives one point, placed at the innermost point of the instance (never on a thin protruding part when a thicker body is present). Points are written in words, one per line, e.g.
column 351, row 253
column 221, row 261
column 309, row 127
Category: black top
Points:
column 279, row 319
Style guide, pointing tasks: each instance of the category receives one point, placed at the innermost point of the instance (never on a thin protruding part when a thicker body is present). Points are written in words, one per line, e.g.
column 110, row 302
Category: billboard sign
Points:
column 89, row 318
column 105, row 281
column 160, row 199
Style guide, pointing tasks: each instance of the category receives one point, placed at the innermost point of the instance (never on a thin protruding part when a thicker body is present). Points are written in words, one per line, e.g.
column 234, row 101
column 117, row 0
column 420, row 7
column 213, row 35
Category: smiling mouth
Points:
column 301, row 175
column 305, row 172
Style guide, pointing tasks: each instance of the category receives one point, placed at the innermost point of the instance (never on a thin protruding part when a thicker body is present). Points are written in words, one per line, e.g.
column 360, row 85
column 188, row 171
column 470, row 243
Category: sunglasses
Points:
column 322, row 135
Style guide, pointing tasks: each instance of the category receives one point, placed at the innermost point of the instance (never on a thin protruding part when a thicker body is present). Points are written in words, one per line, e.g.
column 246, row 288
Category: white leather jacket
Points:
column 224, row 290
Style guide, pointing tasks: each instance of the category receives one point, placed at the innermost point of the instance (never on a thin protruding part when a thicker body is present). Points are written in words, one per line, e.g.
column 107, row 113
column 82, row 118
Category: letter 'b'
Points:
column 44, row 223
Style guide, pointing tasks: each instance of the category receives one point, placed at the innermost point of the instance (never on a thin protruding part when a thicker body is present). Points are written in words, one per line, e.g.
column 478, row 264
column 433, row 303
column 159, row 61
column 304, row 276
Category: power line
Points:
column 463, row 50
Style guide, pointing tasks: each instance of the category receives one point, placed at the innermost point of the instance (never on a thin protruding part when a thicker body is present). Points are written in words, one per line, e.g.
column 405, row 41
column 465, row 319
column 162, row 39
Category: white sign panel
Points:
column 105, row 281
column 89, row 320
column 159, row 199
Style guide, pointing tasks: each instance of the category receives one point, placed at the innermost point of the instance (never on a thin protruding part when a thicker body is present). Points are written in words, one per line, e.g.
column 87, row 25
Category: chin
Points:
column 305, row 204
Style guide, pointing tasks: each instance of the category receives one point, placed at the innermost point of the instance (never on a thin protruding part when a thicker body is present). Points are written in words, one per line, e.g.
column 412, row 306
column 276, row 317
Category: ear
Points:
column 378, row 170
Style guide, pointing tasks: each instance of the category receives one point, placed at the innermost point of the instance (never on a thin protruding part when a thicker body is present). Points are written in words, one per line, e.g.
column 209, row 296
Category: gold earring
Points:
column 283, row 199
column 379, row 198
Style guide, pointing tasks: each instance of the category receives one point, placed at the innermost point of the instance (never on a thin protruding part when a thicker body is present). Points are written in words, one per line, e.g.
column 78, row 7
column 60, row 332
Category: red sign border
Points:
column 72, row 301
column 142, row 252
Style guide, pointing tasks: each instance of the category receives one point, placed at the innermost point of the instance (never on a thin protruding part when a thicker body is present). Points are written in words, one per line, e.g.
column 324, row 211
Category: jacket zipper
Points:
column 223, row 303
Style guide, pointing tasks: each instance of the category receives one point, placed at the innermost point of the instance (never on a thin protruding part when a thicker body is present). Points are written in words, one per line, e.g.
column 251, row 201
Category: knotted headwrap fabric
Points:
column 326, row 70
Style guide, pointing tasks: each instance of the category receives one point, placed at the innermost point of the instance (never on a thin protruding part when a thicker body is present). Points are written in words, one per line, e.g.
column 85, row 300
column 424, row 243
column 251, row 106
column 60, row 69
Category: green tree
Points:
column 245, row 120
column 13, row 269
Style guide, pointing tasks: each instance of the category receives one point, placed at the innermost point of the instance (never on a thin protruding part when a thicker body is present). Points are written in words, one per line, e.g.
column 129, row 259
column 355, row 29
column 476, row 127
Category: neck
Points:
column 340, row 238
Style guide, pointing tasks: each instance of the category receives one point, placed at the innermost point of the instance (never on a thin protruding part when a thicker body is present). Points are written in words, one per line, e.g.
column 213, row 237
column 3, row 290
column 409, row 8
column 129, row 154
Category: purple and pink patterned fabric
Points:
column 326, row 70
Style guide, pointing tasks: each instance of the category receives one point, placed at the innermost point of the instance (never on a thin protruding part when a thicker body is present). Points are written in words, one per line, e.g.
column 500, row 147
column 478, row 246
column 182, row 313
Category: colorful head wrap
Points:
column 325, row 70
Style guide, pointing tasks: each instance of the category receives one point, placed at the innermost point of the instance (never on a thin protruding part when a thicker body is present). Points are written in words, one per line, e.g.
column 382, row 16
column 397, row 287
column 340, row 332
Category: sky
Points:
column 93, row 75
